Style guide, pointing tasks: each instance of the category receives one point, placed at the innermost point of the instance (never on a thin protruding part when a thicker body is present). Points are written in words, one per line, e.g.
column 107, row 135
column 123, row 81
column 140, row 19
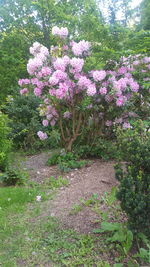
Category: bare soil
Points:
column 83, row 183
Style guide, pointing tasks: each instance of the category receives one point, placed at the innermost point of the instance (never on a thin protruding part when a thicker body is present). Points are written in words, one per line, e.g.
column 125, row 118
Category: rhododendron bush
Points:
column 77, row 100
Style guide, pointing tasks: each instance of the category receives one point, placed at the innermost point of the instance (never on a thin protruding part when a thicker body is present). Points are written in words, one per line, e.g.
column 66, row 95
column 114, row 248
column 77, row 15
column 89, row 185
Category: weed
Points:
column 75, row 209
column 54, row 183
column 66, row 161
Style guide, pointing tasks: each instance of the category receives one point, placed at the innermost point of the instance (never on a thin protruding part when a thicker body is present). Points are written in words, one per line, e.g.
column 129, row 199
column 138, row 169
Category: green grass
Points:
column 55, row 183
column 30, row 236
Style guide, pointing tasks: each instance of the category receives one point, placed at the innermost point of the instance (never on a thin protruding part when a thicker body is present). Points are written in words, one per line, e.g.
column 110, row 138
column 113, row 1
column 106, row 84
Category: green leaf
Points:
column 118, row 265
column 110, row 227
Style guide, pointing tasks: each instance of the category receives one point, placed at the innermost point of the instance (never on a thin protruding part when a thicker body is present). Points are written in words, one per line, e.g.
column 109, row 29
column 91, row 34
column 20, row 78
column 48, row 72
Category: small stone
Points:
column 52, row 214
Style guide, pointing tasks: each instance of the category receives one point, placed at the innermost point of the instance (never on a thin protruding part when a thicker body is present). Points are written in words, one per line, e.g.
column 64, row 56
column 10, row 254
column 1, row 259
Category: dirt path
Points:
column 95, row 179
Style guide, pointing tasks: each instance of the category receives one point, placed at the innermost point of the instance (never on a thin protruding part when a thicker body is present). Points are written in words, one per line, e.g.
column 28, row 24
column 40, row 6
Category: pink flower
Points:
column 108, row 123
column 120, row 101
column 42, row 135
column 79, row 48
column 118, row 92
column 99, row 75
column 60, row 75
column 67, row 115
column 65, row 47
column 23, row 81
column 46, row 101
column 136, row 62
column 53, row 80
column 53, row 122
column 122, row 70
column 49, row 117
column 134, row 86
column 66, row 60
column 35, row 49
column 118, row 120
column 59, row 64
column 23, row 91
column 126, row 125
column 61, row 32
column 44, row 52
column 77, row 76
column 84, row 82
column 45, row 71
column 103, row 90
column 91, row 90
column 45, row 123
column 146, row 59
column 77, row 63
column 37, row 91
column 128, row 75
column 34, row 64
column 55, row 30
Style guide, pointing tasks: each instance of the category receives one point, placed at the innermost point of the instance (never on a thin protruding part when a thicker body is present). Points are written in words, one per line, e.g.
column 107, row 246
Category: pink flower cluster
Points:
column 40, row 54
column 80, row 48
column 22, row 82
column 99, row 75
column 24, row 91
column 67, row 115
column 60, row 81
column 61, row 32
column 42, row 135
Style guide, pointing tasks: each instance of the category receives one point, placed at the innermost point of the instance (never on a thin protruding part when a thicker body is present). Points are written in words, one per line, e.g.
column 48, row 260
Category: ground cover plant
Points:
column 66, row 161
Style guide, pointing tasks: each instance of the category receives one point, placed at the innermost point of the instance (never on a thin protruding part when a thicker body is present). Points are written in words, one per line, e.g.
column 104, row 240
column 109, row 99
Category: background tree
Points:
column 145, row 15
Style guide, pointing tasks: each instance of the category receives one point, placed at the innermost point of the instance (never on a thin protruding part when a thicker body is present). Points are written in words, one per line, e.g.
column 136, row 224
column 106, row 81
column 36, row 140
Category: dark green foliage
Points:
column 53, row 160
column 66, row 161
column 145, row 15
column 5, row 142
column 138, row 42
column 66, row 166
column 13, row 59
column 101, row 148
column 12, row 176
column 57, row 158
column 134, row 189
column 25, row 121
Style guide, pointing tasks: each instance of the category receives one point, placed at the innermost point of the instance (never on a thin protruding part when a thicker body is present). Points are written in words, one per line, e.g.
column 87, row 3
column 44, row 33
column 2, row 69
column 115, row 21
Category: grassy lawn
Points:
column 32, row 237
column 28, row 238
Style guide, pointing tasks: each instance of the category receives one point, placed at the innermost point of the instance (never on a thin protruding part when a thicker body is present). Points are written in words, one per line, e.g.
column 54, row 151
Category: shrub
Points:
column 75, row 98
column 12, row 176
column 101, row 148
column 134, row 188
column 5, row 143
column 25, row 121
